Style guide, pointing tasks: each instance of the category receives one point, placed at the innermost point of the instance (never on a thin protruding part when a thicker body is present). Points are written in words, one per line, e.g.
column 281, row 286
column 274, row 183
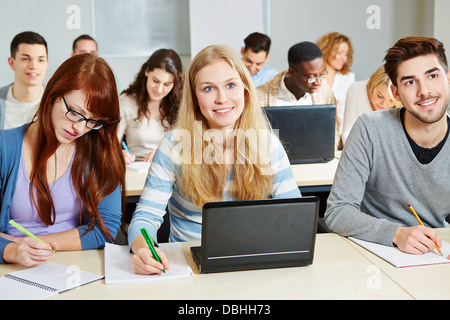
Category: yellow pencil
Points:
column 420, row 221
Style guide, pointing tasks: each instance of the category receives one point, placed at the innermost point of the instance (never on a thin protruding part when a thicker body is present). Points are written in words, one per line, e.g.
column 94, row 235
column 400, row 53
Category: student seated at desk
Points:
column 398, row 156
column 337, row 52
column 366, row 96
column 197, row 162
column 29, row 61
column 70, row 158
column 150, row 104
column 301, row 84
column 255, row 55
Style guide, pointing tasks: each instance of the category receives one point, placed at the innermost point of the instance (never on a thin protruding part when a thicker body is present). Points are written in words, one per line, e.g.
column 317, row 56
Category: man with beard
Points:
column 399, row 156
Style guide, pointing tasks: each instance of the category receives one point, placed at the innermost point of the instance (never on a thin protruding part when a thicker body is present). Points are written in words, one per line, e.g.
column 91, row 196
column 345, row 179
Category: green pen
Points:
column 149, row 241
column 26, row 232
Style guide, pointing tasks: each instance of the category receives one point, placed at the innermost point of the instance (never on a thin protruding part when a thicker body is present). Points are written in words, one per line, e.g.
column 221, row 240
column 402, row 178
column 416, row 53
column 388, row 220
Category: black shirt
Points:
column 424, row 155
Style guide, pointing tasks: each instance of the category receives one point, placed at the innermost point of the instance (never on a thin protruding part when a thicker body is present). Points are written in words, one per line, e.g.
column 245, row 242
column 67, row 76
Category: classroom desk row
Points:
column 340, row 270
column 311, row 175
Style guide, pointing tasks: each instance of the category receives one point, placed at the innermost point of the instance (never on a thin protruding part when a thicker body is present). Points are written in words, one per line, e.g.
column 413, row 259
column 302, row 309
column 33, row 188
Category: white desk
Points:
column 339, row 271
column 422, row 282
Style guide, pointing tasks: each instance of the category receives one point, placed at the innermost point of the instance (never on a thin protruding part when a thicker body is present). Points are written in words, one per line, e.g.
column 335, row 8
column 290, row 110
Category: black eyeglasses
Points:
column 313, row 79
column 76, row 117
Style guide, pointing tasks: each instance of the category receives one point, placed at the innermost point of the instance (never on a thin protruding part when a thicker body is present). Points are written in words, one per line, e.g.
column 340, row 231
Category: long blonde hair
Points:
column 203, row 182
column 380, row 77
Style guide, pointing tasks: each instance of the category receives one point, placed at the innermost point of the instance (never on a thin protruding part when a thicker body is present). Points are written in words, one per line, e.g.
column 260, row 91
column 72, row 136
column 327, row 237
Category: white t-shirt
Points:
column 18, row 113
column 287, row 98
column 142, row 136
column 340, row 87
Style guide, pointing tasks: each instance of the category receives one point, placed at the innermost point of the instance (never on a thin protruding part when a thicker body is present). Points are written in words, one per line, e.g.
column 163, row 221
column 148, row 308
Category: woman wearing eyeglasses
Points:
column 150, row 104
column 61, row 175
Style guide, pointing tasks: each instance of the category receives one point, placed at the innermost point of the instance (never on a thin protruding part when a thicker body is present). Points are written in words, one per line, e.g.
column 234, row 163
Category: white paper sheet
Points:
column 119, row 269
column 139, row 166
column 400, row 259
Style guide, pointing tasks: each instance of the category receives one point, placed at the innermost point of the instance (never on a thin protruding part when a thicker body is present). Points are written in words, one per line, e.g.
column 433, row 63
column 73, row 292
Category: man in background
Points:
column 302, row 83
column 255, row 54
column 84, row 44
column 29, row 61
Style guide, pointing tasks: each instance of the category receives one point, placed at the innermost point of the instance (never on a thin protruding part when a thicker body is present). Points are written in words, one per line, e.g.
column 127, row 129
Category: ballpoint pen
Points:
column 124, row 145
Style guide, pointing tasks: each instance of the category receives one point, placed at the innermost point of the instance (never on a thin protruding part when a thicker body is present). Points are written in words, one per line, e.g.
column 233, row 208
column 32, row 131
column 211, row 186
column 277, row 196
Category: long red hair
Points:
column 98, row 167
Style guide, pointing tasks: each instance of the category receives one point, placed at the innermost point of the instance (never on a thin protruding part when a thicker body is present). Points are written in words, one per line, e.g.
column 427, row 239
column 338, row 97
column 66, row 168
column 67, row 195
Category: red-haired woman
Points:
column 61, row 176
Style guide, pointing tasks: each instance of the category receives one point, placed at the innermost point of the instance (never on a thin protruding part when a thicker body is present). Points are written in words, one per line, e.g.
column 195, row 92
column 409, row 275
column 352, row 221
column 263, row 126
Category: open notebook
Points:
column 43, row 281
column 400, row 259
column 119, row 269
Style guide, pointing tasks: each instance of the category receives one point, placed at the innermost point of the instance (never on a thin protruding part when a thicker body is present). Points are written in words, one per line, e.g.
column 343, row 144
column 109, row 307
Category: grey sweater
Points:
column 378, row 175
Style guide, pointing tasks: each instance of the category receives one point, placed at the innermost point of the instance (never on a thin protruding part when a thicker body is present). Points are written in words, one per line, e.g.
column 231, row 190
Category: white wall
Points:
column 294, row 21
column 49, row 19
column 442, row 23
column 291, row 21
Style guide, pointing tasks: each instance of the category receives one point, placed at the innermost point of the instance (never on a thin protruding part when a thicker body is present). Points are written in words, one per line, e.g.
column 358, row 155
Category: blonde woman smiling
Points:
column 218, row 98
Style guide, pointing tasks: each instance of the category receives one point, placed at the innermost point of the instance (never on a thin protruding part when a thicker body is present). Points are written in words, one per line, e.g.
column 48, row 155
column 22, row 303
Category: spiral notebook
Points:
column 43, row 281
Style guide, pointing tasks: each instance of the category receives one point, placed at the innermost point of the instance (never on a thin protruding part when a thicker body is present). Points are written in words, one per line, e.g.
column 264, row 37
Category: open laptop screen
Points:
column 307, row 132
column 253, row 234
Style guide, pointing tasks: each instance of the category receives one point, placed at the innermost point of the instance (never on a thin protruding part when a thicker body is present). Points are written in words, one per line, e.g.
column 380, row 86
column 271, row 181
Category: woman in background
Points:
column 150, row 104
column 366, row 96
column 197, row 162
column 337, row 50
column 61, row 176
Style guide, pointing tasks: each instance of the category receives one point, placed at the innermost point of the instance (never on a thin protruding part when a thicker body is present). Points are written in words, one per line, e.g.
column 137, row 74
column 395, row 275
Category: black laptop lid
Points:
column 253, row 234
column 307, row 132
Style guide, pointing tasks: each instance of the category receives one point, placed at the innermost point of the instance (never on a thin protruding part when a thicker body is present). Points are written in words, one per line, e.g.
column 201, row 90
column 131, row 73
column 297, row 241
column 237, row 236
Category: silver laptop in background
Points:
column 257, row 234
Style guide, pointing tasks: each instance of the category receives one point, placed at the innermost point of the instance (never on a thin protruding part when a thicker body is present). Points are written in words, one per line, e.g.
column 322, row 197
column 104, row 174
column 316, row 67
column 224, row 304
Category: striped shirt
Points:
column 161, row 191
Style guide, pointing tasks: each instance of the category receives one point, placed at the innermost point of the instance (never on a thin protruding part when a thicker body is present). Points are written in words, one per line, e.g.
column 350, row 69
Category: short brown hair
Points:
column 409, row 48
column 257, row 41
column 28, row 37
column 82, row 37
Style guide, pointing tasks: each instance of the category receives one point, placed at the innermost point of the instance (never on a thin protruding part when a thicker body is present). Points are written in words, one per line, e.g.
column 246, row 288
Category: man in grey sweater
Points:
column 399, row 156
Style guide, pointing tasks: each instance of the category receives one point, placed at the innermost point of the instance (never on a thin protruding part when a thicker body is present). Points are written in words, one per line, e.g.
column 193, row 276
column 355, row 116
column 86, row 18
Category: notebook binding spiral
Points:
column 31, row 283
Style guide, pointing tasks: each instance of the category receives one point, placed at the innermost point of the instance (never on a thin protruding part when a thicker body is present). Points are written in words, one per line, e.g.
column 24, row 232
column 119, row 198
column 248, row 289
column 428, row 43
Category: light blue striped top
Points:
column 161, row 190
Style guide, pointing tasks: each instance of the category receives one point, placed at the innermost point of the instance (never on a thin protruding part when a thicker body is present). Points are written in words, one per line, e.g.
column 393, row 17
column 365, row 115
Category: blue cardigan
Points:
column 11, row 141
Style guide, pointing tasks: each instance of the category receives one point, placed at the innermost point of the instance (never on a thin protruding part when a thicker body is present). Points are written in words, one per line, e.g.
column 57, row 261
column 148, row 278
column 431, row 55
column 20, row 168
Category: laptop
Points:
column 257, row 234
column 307, row 132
